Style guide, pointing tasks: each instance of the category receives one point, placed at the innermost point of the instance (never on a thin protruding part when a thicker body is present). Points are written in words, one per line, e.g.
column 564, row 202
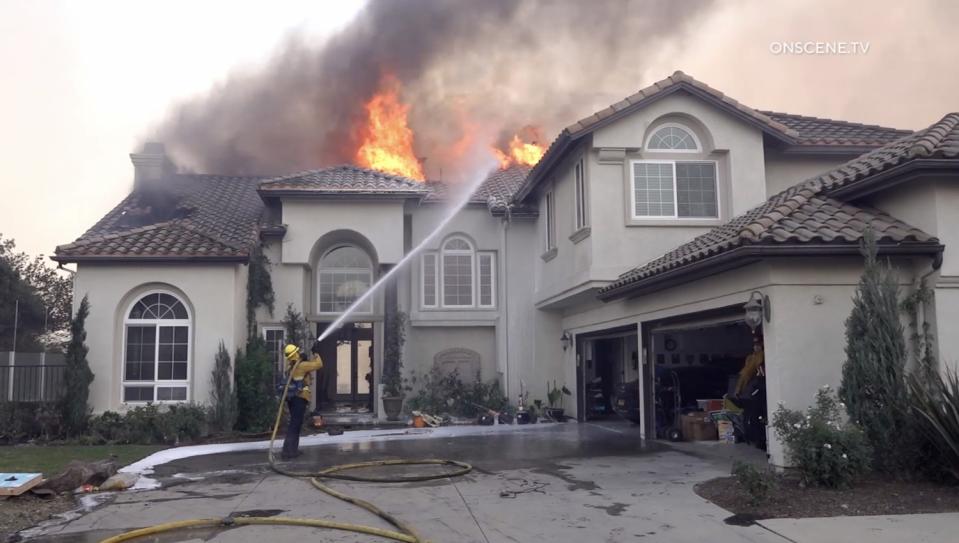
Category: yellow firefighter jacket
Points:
column 305, row 371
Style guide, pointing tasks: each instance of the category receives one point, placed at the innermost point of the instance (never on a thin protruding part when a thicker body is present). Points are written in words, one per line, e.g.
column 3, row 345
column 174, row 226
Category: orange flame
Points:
column 519, row 152
column 388, row 140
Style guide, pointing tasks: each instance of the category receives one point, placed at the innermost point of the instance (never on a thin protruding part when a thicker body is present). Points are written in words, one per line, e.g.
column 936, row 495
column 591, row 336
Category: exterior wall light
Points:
column 757, row 310
column 566, row 339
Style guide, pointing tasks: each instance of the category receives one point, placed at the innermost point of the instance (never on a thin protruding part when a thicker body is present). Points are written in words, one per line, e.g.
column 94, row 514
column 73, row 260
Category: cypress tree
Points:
column 74, row 410
column 222, row 393
column 873, row 375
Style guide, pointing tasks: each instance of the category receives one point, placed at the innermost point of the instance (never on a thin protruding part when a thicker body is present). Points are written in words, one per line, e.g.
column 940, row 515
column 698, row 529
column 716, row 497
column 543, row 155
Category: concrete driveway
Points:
column 555, row 483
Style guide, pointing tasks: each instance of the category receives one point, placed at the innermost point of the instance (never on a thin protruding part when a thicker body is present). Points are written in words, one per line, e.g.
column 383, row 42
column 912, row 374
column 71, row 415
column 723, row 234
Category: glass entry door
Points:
column 354, row 363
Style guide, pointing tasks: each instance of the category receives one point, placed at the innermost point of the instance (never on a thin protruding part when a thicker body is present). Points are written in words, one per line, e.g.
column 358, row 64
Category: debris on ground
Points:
column 526, row 486
column 119, row 481
column 21, row 512
column 430, row 420
column 79, row 473
column 14, row 484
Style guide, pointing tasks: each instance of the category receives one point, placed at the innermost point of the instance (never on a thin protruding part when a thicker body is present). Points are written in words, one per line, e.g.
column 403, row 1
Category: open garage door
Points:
column 696, row 364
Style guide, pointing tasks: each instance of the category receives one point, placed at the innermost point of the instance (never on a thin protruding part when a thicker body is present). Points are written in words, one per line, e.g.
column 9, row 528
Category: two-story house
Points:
column 624, row 258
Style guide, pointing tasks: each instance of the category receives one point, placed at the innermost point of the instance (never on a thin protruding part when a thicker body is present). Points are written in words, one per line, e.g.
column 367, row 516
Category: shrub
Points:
column 254, row 387
column 74, row 410
column 873, row 375
column 150, row 424
column 393, row 355
column 440, row 393
column 826, row 451
column 936, row 402
column 223, row 405
column 757, row 483
column 20, row 421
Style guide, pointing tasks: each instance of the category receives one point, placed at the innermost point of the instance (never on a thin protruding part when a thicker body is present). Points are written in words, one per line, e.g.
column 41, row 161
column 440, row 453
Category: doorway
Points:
column 348, row 373
column 607, row 366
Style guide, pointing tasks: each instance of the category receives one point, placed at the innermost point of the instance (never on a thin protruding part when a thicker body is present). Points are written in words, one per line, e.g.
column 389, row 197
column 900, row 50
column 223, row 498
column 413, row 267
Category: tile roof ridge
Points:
column 830, row 120
column 342, row 166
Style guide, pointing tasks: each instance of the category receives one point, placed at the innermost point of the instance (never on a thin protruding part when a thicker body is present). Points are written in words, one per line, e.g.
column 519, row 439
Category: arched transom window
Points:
column 344, row 274
column 673, row 137
column 458, row 276
column 156, row 350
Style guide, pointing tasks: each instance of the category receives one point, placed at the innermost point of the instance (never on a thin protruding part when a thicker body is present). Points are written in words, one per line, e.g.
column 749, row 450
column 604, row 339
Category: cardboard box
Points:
column 727, row 434
column 697, row 426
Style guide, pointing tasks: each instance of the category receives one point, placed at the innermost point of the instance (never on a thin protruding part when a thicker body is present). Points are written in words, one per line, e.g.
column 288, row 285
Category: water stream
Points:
column 458, row 204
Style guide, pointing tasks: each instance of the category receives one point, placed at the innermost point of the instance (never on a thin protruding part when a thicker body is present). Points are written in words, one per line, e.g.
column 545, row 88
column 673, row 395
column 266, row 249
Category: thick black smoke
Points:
column 473, row 72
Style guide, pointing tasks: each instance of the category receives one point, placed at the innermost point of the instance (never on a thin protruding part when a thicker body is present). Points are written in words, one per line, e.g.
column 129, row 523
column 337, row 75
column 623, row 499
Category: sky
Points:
column 85, row 82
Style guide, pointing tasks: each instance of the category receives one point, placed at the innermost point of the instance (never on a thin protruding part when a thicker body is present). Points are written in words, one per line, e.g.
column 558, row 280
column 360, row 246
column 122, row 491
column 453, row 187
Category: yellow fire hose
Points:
column 403, row 532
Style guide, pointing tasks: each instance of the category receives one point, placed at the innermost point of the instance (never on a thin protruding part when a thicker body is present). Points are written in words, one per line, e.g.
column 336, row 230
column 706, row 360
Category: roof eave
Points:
column 896, row 175
column 151, row 259
column 851, row 151
column 307, row 194
column 748, row 254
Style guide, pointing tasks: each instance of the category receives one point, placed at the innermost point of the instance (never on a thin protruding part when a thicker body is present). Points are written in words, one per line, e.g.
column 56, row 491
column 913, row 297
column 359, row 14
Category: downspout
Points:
column 505, row 281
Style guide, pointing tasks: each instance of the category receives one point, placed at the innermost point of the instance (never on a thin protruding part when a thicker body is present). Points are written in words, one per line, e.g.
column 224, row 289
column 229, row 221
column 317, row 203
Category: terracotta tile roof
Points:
column 344, row 179
column 196, row 217
column 816, row 131
column 807, row 213
column 495, row 191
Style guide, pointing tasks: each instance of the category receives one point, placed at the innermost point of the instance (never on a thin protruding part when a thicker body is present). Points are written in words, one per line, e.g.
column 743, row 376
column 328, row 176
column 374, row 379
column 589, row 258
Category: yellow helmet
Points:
column 290, row 352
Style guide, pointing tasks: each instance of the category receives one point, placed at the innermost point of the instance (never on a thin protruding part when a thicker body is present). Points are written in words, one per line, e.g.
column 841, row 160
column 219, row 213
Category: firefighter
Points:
column 298, row 396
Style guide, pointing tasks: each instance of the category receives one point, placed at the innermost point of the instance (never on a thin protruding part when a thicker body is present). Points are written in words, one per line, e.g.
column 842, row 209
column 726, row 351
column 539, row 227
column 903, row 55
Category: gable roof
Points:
column 808, row 214
column 343, row 180
column 789, row 130
column 197, row 217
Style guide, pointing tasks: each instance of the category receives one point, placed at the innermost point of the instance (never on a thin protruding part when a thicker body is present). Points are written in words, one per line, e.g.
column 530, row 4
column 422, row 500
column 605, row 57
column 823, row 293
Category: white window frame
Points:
column 439, row 263
column 273, row 328
column 580, row 201
column 550, row 220
column 692, row 134
column 471, row 252
column 367, row 307
column 157, row 323
column 437, row 280
column 675, row 216
column 492, row 279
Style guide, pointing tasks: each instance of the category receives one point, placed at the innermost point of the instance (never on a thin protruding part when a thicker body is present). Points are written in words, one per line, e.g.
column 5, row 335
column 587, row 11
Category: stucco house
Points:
column 624, row 257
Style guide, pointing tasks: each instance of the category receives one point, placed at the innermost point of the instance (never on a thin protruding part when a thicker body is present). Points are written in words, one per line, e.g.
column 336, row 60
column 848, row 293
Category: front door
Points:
column 354, row 364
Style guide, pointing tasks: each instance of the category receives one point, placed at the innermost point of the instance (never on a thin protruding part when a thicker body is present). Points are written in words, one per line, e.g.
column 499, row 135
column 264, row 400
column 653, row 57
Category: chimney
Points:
column 150, row 165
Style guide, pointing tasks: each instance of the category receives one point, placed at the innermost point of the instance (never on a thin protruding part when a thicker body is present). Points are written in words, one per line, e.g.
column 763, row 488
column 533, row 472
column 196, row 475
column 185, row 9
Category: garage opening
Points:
column 607, row 363
column 708, row 380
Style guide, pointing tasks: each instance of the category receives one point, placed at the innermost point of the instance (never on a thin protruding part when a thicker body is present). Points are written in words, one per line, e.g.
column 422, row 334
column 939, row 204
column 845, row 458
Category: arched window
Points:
column 457, row 276
column 156, row 350
column 673, row 137
column 344, row 274
column 457, row 273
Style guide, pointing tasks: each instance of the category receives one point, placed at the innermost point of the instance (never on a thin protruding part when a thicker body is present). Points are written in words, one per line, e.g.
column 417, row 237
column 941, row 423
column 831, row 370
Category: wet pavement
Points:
column 558, row 483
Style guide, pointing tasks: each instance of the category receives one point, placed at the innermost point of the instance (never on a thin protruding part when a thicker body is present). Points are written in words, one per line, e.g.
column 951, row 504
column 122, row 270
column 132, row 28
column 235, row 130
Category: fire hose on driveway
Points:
column 404, row 532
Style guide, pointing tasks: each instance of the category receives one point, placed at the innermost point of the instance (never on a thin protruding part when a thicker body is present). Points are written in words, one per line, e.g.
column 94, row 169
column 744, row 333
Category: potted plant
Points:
column 393, row 382
column 554, row 396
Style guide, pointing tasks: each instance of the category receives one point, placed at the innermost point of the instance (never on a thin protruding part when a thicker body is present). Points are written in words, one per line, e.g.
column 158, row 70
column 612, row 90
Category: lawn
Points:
column 50, row 460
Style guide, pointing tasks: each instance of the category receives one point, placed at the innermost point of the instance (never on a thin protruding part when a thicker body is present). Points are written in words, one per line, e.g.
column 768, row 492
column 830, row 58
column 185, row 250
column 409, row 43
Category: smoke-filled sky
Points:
column 274, row 89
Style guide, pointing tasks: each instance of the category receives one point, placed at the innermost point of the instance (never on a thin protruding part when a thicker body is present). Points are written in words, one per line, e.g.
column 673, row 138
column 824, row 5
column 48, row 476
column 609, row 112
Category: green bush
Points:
column 254, row 388
column 936, row 404
column 826, row 451
column 151, row 424
column 440, row 394
column 21, row 421
column 757, row 483
column 223, row 404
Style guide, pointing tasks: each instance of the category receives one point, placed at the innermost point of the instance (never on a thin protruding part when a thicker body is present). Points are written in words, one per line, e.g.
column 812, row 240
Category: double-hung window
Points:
column 582, row 209
column 458, row 277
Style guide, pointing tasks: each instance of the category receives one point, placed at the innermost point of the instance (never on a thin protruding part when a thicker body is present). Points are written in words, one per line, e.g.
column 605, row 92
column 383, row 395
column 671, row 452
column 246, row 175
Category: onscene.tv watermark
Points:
column 819, row 47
